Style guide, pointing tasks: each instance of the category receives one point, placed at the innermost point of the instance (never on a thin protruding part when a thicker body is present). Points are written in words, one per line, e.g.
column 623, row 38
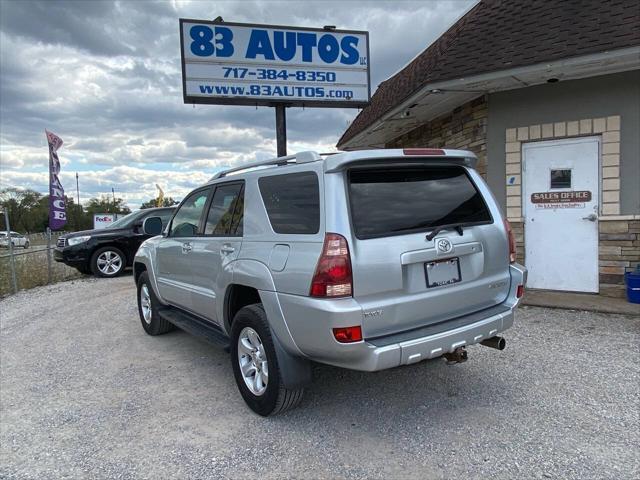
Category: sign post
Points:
column 275, row 66
column 281, row 130
column 14, row 283
column 49, row 262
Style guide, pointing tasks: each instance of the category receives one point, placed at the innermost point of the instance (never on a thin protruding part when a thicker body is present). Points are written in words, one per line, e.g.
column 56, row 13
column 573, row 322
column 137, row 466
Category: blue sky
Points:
column 105, row 77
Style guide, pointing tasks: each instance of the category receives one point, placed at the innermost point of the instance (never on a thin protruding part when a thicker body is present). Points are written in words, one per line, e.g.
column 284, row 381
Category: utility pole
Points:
column 79, row 207
column 14, row 283
column 113, row 193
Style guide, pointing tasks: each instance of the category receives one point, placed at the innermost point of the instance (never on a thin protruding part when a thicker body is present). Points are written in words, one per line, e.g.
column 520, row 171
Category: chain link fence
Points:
column 22, row 268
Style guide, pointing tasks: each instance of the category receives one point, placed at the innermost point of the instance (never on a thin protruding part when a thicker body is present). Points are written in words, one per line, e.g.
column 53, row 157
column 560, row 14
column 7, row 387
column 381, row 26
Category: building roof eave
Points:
column 435, row 99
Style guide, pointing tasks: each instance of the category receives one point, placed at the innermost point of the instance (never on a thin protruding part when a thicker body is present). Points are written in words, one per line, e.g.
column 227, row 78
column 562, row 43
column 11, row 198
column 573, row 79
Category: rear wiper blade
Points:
column 437, row 230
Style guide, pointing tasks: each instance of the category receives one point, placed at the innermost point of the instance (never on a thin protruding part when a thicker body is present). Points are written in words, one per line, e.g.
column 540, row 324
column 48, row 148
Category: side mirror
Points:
column 152, row 226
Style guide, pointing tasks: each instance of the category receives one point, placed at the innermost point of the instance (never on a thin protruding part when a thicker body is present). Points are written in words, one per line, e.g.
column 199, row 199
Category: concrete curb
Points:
column 580, row 301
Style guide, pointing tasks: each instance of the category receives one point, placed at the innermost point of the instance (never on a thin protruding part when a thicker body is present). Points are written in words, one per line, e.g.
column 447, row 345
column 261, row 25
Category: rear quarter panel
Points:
column 289, row 259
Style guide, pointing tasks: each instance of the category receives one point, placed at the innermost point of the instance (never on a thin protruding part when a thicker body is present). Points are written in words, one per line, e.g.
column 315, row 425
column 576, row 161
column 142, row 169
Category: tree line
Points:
column 29, row 210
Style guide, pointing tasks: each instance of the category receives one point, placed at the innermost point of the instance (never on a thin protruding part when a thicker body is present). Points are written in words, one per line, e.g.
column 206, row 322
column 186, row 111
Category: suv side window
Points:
column 186, row 221
column 292, row 201
column 226, row 211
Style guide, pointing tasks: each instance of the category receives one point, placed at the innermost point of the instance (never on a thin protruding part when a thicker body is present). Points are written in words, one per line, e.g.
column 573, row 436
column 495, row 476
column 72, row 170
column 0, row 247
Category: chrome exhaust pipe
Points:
column 495, row 342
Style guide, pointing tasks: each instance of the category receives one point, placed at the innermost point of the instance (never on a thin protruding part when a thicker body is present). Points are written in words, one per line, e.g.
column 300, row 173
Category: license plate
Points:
column 442, row 272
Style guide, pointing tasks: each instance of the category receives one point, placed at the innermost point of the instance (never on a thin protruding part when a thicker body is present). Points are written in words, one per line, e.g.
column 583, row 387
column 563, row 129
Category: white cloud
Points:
column 105, row 76
column 133, row 184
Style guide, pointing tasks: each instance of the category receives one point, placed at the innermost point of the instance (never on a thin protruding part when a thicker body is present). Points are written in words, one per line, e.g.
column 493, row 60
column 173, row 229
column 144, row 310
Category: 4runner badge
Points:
column 443, row 245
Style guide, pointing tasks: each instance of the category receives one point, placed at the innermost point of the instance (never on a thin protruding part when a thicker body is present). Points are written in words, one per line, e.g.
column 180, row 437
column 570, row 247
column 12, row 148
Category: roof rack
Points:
column 300, row 157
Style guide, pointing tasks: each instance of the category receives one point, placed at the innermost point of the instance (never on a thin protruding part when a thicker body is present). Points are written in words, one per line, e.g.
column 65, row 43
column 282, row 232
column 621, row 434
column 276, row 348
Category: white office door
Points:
column 560, row 199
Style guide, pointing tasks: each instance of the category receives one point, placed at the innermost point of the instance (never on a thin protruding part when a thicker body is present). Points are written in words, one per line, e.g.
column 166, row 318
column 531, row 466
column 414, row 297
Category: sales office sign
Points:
column 553, row 200
column 246, row 64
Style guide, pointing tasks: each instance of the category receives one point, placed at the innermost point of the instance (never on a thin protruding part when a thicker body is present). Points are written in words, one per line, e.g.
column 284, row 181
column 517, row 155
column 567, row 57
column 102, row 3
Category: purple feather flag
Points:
column 57, row 212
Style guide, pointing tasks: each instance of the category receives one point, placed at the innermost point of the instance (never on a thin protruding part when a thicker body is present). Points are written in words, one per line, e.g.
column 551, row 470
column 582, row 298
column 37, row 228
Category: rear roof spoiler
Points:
column 399, row 157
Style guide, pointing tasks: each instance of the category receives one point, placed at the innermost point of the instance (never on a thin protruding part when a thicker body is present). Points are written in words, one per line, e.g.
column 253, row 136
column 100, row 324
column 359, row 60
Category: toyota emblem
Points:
column 443, row 245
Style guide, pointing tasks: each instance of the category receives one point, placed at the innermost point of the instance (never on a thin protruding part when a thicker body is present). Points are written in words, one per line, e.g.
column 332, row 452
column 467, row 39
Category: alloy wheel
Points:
column 145, row 304
column 253, row 363
column 109, row 263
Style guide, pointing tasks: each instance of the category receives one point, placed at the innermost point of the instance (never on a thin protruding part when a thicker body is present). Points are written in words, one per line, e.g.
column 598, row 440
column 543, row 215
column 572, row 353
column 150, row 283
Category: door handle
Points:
column 187, row 247
column 592, row 217
column 227, row 249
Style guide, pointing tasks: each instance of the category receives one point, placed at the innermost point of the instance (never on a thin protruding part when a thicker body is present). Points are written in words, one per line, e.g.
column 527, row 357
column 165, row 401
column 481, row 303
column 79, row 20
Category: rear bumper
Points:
column 431, row 346
column 310, row 322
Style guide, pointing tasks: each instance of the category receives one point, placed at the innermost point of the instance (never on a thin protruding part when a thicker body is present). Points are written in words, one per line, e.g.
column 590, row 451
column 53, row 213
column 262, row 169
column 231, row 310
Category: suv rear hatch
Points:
column 426, row 245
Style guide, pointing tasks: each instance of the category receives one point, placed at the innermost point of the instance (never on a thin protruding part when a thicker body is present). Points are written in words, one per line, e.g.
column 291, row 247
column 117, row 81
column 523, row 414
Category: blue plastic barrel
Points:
column 632, row 280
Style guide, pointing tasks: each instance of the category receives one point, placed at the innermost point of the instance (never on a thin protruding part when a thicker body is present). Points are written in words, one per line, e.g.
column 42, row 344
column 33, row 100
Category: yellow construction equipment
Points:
column 160, row 196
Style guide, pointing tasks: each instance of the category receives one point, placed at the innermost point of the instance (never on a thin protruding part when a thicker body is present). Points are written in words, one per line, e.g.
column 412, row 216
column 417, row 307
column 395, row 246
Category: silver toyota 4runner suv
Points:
column 365, row 260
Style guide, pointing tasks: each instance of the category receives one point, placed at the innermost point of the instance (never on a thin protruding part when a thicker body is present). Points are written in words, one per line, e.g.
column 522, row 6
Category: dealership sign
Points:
column 245, row 64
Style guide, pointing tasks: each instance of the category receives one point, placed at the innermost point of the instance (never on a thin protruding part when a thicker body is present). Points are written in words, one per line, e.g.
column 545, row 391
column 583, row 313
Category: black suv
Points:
column 106, row 252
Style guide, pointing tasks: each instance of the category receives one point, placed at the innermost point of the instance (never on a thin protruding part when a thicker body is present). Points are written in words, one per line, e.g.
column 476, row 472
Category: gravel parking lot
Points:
column 86, row 394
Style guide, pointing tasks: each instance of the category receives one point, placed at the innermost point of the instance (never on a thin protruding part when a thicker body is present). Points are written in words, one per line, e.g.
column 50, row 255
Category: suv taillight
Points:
column 333, row 273
column 512, row 241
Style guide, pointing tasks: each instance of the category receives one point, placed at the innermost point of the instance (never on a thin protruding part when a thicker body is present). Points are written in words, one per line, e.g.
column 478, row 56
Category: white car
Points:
column 17, row 240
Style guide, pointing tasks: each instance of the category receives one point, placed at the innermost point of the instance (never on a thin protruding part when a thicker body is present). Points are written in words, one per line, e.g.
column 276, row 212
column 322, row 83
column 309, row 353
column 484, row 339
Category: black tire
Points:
column 26, row 245
column 95, row 269
column 156, row 324
column 276, row 399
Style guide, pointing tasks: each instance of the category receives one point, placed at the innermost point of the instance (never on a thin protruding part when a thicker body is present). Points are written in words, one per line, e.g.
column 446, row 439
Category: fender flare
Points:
column 253, row 273
column 248, row 273
column 144, row 256
column 294, row 367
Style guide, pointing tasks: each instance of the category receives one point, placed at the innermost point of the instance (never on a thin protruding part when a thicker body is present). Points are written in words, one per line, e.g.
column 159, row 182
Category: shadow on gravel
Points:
column 340, row 397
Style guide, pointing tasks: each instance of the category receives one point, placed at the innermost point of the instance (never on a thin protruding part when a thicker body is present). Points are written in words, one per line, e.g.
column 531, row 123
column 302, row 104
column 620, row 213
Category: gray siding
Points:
column 617, row 94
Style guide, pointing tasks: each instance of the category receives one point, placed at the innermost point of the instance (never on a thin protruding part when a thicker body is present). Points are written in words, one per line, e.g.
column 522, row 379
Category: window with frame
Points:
column 165, row 217
column 186, row 221
column 402, row 200
column 561, row 178
column 292, row 201
column 226, row 211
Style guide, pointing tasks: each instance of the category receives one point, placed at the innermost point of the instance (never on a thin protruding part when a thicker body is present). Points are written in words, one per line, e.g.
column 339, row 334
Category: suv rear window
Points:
column 395, row 201
column 292, row 201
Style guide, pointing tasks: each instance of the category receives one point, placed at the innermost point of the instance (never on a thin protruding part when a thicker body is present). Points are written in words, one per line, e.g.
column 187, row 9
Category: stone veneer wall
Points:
column 464, row 128
column 619, row 249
